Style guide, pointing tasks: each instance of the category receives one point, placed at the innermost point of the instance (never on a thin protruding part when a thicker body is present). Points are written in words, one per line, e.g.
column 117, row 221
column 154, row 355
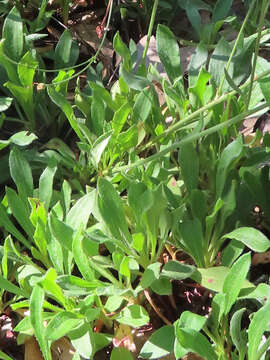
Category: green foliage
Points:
column 84, row 227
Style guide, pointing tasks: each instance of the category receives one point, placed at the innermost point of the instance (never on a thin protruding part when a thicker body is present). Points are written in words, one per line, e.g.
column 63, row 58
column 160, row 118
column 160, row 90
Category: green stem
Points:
column 190, row 118
column 150, row 29
column 189, row 138
column 265, row 5
column 104, row 273
column 236, row 44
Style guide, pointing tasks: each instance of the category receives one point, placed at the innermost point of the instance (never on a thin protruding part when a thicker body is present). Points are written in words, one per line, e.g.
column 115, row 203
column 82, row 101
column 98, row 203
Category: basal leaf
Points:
column 234, row 280
column 13, row 34
column 21, row 173
column 197, row 343
column 168, row 51
column 111, row 209
column 251, row 237
column 61, row 324
column 259, row 323
column 133, row 315
column 121, row 353
column 36, row 303
column 159, row 344
column 66, row 51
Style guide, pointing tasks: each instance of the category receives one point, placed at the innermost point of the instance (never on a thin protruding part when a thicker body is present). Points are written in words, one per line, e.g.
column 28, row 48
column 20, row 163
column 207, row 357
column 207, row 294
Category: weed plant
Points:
column 84, row 229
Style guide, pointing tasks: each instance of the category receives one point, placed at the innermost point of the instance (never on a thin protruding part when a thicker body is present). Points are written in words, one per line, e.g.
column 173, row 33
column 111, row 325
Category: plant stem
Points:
column 155, row 308
column 265, row 5
column 150, row 29
column 236, row 44
column 189, row 138
column 190, row 118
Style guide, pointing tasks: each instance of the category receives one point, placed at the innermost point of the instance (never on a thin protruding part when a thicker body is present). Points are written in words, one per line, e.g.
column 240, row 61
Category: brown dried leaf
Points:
column 31, row 350
column 62, row 349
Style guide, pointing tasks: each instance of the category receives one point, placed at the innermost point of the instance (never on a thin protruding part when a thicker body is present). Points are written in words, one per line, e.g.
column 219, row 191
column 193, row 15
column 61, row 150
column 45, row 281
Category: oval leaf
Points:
column 251, row 237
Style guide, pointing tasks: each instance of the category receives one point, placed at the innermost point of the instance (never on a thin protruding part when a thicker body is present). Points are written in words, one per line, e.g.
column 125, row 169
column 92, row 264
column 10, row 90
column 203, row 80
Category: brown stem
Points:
column 163, row 318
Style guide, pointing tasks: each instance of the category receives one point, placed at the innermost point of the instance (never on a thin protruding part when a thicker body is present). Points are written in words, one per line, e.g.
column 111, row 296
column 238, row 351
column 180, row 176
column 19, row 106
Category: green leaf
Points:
column 218, row 62
column 61, row 324
column 198, row 60
column 229, row 155
column 4, row 356
column 194, row 17
column 198, row 204
column 193, row 239
column 221, row 10
column 199, row 88
column 9, row 226
column 67, row 109
column 120, row 117
column 133, row 315
column 45, row 188
column 159, row 344
column 23, row 138
column 24, row 96
column 113, row 303
column 104, row 94
column 81, row 210
column 49, row 284
column 150, row 274
column 134, row 81
column 259, row 324
column 168, row 51
column 187, row 320
column 251, row 237
column 197, row 343
column 98, row 114
column 75, row 286
column 61, row 231
column 19, row 211
column 8, row 286
column 189, row 163
column 232, row 251
column 140, row 198
column 239, row 337
column 121, row 48
column 177, row 271
column 21, row 173
column 13, row 34
column 190, row 320
column 82, row 338
column 99, row 147
column 121, row 353
column 66, row 51
column 162, row 286
column 35, row 307
column 142, row 106
column 5, row 103
column 26, row 71
column 111, row 210
column 234, row 280
column 80, row 257
column 213, row 278
column 10, row 68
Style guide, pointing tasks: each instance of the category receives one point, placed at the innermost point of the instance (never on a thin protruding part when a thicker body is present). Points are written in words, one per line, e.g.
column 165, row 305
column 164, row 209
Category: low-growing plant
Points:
column 236, row 328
